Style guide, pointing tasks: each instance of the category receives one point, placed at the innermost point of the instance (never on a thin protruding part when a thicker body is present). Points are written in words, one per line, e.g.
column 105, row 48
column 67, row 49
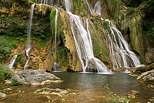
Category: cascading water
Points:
column 89, row 7
column 121, row 55
column 83, row 43
column 28, row 47
column 11, row 63
column 56, row 18
column 97, row 8
column 68, row 5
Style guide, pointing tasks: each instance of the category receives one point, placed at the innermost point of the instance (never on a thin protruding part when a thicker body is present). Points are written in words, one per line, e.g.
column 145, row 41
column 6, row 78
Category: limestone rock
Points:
column 147, row 77
column 57, row 91
column 34, row 77
column 2, row 96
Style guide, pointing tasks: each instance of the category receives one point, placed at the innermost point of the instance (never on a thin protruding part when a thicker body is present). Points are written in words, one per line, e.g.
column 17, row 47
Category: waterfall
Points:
column 68, row 5
column 11, row 63
column 83, row 43
column 28, row 47
column 97, row 8
column 56, row 18
column 120, row 53
column 89, row 7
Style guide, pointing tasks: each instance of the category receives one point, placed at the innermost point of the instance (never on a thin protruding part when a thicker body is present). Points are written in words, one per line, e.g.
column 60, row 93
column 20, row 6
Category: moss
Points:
column 11, row 19
column 62, row 55
column 80, row 8
column 52, row 23
column 100, row 49
column 106, row 26
column 16, row 30
column 118, row 99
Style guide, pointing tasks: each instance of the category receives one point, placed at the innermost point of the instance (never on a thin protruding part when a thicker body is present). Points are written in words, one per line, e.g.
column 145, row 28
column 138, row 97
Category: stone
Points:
column 147, row 77
column 34, row 77
column 2, row 95
column 57, row 91
column 7, row 90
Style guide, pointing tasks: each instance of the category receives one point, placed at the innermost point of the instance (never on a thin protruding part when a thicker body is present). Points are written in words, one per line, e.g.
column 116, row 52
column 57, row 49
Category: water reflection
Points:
column 120, row 83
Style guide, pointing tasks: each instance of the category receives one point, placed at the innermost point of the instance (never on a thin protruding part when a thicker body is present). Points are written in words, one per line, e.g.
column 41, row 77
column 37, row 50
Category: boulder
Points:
column 34, row 77
column 147, row 77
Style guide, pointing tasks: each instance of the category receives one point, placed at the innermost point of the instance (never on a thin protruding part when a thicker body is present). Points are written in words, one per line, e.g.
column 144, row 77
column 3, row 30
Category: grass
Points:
column 5, row 73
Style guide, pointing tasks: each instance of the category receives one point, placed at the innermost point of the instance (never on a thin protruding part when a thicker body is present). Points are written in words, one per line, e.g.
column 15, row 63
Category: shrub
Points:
column 15, row 83
column 5, row 73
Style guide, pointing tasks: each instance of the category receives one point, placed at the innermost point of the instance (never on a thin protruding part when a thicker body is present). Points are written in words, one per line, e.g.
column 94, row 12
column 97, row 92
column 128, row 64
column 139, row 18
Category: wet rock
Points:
column 2, row 96
column 57, row 91
column 34, row 77
column 7, row 90
column 149, row 55
column 132, row 94
column 143, row 69
column 147, row 77
column 151, row 100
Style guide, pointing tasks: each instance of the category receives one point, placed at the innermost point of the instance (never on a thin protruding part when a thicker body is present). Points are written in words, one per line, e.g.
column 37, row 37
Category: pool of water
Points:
column 89, row 85
column 119, row 83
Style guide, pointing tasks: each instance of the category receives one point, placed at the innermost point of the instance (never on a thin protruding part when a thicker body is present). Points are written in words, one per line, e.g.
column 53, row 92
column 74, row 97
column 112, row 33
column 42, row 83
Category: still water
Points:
column 88, row 85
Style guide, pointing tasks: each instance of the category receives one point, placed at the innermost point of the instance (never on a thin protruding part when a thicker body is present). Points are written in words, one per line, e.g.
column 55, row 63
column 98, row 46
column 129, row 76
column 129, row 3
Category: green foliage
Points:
column 10, row 19
column 114, row 2
column 5, row 73
column 52, row 22
column 130, row 10
column 22, row 2
column 99, row 49
column 41, row 27
column 16, row 30
column 62, row 55
column 6, row 46
column 106, row 26
column 118, row 99
column 123, row 17
column 15, row 82
column 132, row 3
column 80, row 8
column 1, row 76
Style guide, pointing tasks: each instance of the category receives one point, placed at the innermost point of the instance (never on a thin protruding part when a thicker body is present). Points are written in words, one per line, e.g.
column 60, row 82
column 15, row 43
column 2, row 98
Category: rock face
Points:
column 147, row 77
column 34, row 77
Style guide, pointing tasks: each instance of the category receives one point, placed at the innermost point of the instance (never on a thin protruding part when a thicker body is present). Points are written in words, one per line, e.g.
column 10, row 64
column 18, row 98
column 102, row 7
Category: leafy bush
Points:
column 5, row 73
column 130, row 10
column 15, row 83
column 16, row 30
